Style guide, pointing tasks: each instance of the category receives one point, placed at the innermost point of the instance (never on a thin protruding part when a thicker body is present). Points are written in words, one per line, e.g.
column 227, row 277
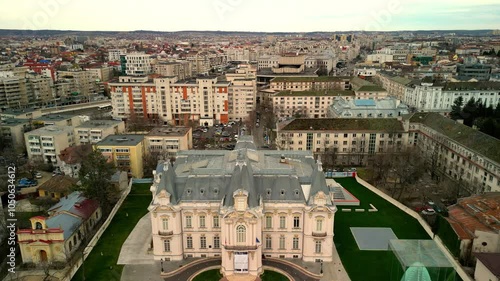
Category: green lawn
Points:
column 103, row 267
column 270, row 275
column 209, row 275
column 370, row 265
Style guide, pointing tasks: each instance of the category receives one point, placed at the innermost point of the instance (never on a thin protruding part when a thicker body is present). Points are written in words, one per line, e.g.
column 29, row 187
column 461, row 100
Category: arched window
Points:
column 38, row 225
column 241, row 234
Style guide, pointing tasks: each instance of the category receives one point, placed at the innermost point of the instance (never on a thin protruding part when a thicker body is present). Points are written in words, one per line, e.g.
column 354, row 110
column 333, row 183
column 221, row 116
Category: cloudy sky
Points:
column 250, row 15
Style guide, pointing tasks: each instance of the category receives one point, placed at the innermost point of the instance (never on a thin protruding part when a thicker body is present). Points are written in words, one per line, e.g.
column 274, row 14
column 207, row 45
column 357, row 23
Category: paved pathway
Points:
column 135, row 248
column 186, row 273
column 295, row 273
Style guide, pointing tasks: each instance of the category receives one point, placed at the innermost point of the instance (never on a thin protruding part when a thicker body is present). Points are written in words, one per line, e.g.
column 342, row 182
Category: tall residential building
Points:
column 45, row 143
column 125, row 152
column 13, row 92
column 114, row 54
column 81, row 82
column 12, row 132
column 136, row 64
column 168, row 140
column 241, row 98
column 242, row 206
column 180, row 69
column 94, row 131
column 204, row 100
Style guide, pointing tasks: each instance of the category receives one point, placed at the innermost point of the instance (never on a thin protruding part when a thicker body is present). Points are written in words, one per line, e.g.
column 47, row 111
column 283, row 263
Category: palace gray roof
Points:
column 214, row 175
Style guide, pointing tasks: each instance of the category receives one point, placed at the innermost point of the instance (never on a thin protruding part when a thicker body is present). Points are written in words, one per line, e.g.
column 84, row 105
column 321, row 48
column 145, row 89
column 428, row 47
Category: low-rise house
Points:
column 71, row 159
column 57, row 187
column 57, row 237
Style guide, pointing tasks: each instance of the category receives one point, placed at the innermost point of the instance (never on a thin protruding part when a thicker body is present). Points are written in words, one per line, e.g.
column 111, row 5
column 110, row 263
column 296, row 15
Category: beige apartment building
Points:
column 310, row 104
column 180, row 69
column 25, row 113
column 241, row 98
column 13, row 92
column 125, row 152
column 136, row 64
column 82, row 82
column 12, row 131
column 168, row 140
column 349, row 141
column 204, row 100
column 46, row 143
column 242, row 205
column 93, row 131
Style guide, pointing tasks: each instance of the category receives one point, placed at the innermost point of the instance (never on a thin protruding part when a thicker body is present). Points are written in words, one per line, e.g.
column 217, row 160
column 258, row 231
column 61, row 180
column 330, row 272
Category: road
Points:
column 184, row 275
column 296, row 274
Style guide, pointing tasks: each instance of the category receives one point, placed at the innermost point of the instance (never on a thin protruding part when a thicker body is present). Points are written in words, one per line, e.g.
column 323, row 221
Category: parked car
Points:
column 25, row 182
column 38, row 175
column 428, row 211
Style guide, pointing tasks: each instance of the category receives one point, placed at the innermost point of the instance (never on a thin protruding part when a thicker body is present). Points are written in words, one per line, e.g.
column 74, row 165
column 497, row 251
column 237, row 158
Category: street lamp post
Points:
column 321, row 269
column 161, row 262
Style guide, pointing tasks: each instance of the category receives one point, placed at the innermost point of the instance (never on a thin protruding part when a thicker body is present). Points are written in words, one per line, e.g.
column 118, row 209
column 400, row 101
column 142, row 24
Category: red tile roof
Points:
column 479, row 212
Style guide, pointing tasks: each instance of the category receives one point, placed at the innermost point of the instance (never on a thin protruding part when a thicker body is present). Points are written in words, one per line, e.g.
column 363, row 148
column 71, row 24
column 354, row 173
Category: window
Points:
column 319, row 225
column 241, row 234
column 189, row 242
column 317, row 247
column 216, row 242
column 282, row 221
column 269, row 221
column 188, row 222
column 296, row 222
column 202, row 221
column 268, row 242
column 295, row 243
column 166, row 245
column 203, row 242
column 216, row 221
column 164, row 224
column 282, row 242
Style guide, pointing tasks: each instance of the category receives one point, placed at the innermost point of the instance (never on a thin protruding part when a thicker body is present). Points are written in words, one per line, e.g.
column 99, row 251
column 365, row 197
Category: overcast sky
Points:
column 250, row 15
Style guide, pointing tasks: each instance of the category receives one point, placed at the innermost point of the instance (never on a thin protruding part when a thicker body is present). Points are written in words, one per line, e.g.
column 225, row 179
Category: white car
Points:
column 428, row 211
column 38, row 175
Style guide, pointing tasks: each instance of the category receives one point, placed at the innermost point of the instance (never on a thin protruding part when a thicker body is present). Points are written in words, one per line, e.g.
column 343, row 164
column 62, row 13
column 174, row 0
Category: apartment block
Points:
column 311, row 104
column 241, row 98
column 12, row 132
column 13, row 92
column 46, row 143
column 57, row 119
column 80, row 81
column 136, row 64
column 103, row 73
column 180, row 69
column 25, row 113
column 168, row 140
column 204, row 100
column 396, row 86
column 346, row 141
column 94, row 131
column 125, row 152
column 114, row 54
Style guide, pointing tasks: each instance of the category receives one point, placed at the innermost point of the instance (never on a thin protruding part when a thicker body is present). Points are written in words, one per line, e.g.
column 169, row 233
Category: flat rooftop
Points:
column 99, row 124
column 121, row 140
column 10, row 111
column 54, row 117
column 169, row 131
column 51, row 130
column 12, row 122
column 315, row 93
column 313, row 79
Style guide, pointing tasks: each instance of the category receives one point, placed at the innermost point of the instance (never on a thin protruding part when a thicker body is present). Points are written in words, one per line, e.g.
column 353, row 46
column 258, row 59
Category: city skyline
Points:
column 255, row 16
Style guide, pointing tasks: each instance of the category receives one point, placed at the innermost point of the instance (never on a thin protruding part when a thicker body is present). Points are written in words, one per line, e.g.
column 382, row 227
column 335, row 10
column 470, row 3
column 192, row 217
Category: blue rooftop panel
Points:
column 364, row 102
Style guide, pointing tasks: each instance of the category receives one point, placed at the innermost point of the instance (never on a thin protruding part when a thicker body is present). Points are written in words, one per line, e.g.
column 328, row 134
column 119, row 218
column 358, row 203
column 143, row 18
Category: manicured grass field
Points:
column 103, row 267
column 270, row 275
column 209, row 275
column 370, row 265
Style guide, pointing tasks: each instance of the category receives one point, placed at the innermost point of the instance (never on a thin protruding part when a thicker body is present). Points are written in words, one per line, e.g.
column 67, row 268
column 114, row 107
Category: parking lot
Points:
column 218, row 136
